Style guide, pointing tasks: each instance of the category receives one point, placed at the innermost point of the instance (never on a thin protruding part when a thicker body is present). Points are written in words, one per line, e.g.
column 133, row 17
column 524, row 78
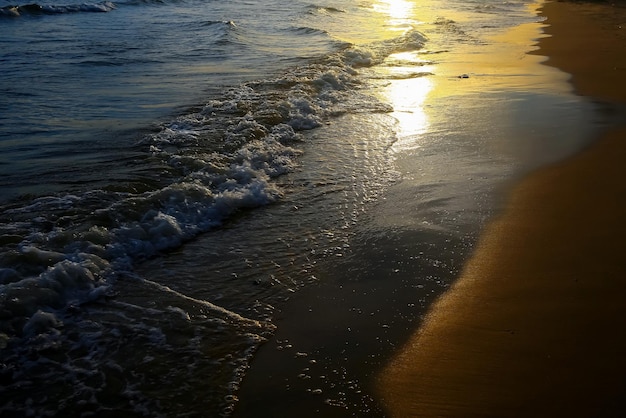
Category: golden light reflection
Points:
column 407, row 78
column 398, row 10
column 408, row 82
column 407, row 96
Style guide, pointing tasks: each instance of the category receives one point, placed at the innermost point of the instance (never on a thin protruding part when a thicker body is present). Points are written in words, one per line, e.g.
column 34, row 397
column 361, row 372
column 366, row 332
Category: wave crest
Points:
column 38, row 9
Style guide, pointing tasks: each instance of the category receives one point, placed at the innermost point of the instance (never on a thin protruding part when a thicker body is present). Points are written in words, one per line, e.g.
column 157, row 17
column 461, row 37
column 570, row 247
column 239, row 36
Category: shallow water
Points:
column 173, row 173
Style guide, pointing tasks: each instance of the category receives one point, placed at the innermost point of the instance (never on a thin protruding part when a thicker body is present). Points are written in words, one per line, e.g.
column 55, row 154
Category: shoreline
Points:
column 592, row 56
column 533, row 325
column 334, row 337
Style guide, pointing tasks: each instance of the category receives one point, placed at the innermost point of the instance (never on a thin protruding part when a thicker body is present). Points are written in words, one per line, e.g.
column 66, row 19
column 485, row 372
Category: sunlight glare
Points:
column 410, row 84
column 408, row 98
column 398, row 10
column 407, row 76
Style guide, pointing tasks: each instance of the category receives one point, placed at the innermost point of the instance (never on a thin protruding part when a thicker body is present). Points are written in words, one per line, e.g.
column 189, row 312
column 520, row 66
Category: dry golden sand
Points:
column 536, row 324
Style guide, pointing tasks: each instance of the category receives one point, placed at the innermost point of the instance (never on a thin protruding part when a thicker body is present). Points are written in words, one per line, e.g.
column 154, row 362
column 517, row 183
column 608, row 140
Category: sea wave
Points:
column 67, row 260
column 63, row 252
column 323, row 10
column 214, row 161
column 45, row 9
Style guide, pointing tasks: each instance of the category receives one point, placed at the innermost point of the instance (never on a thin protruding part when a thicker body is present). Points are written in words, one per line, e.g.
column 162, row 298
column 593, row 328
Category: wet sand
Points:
column 535, row 324
column 334, row 337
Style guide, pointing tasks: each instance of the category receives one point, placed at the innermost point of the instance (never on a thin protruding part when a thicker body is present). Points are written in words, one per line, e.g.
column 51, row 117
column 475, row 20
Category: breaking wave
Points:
column 43, row 9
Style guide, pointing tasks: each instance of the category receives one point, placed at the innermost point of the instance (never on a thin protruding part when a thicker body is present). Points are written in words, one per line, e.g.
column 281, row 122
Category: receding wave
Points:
column 62, row 252
column 214, row 162
column 39, row 9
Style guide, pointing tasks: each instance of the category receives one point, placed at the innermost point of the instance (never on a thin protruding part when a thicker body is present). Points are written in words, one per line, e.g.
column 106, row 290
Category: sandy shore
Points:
column 534, row 326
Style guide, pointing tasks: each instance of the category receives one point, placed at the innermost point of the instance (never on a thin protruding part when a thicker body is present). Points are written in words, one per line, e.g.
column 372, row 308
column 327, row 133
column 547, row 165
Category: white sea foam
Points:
column 223, row 156
column 252, row 133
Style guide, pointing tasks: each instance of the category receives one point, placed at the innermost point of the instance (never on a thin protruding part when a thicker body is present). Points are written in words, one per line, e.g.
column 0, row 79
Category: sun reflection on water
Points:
column 398, row 10
column 410, row 82
column 407, row 75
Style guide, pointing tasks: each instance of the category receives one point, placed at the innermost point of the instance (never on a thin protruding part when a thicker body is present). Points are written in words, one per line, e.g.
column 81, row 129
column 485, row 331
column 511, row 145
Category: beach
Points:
column 533, row 326
column 245, row 209
column 236, row 209
column 489, row 113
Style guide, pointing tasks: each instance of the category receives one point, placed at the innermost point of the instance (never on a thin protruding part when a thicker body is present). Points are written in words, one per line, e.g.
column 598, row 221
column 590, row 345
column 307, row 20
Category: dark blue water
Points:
column 172, row 171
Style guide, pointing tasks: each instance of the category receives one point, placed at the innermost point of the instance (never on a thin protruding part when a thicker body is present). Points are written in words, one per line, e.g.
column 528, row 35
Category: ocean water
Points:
column 172, row 171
